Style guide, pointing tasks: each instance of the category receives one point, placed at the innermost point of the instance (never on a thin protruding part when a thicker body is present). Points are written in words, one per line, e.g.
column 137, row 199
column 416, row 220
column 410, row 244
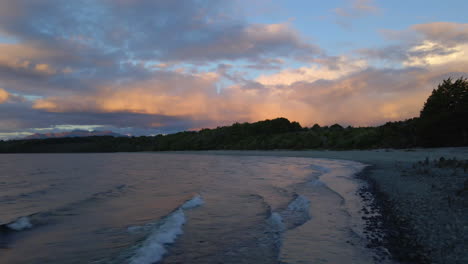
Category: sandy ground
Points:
column 423, row 200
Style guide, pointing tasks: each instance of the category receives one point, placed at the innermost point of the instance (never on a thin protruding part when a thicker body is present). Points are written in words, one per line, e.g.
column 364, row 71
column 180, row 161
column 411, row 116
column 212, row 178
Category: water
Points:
column 179, row 208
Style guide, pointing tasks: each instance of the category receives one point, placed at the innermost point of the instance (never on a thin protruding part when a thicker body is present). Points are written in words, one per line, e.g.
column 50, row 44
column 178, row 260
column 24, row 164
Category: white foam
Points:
column 166, row 232
column 300, row 204
column 153, row 248
column 276, row 221
column 20, row 224
column 192, row 203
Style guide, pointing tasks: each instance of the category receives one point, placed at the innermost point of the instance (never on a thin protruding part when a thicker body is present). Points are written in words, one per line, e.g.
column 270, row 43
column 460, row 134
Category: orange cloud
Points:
column 4, row 95
column 44, row 69
column 367, row 97
column 180, row 95
column 26, row 58
column 313, row 73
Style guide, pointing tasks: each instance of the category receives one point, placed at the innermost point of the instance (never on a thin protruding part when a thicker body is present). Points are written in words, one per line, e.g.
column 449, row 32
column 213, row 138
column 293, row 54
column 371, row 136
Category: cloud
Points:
column 449, row 33
column 266, row 64
column 337, row 89
column 63, row 48
column 368, row 96
column 165, row 66
column 22, row 59
column 4, row 95
column 40, row 69
column 423, row 45
column 167, row 93
column 327, row 70
column 44, row 69
column 145, row 29
column 432, row 53
column 20, row 117
column 356, row 9
column 247, row 42
column 438, row 43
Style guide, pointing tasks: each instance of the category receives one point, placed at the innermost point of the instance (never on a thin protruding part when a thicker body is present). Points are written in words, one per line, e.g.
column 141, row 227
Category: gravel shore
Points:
column 420, row 210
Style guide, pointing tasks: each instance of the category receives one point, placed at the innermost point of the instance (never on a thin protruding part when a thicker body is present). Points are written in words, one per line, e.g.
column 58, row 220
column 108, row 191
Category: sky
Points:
column 147, row 67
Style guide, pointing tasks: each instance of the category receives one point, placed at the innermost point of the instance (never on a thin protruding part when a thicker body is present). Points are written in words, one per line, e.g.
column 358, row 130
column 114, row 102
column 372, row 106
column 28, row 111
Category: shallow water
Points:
column 179, row 208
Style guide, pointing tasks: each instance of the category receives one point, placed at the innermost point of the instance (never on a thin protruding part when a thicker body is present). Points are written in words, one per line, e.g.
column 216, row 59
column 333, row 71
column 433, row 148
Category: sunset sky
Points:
column 146, row 67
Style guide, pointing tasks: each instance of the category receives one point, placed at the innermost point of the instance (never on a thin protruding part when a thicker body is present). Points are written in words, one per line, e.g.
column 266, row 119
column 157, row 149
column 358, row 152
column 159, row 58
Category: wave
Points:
column 19, row 224
column 39, row 218
column 153, row 248
column 299, row 204
column 277, row 227
column 164, row 232
column 192, row 203
column 294, row 215
column 321, row 169
column 276, row 221
column 25, row 195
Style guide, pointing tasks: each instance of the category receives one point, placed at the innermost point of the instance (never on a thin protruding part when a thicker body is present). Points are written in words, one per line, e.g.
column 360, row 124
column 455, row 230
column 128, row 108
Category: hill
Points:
column 74, row 133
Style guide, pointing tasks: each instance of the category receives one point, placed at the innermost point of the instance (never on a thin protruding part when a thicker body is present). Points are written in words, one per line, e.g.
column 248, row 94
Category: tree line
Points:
column 443, row 122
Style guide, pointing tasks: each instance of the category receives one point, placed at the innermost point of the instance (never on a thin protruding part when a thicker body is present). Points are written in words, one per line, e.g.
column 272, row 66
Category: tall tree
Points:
column 444, row 117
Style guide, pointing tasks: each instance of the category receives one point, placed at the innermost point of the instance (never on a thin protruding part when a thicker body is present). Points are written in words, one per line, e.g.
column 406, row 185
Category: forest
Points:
column 443, row 122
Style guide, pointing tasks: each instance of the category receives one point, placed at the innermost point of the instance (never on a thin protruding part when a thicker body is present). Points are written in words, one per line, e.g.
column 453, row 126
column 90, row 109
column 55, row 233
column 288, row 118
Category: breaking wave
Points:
column 276, row 222
column 296, row 213
column 19, row 224
column 192, row 203
column 164, row 232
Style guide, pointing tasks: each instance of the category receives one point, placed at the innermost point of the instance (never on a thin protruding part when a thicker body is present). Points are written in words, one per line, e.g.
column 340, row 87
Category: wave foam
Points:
column 153, row 248
column 321, row 169
column 294, row 215
column 192, row 203
column 276, row 221
column 20, row 224
column 165, row 232
column 300, row 204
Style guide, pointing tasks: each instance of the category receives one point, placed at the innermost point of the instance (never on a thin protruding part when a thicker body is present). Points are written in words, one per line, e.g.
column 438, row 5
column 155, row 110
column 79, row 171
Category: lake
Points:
column 179, row 208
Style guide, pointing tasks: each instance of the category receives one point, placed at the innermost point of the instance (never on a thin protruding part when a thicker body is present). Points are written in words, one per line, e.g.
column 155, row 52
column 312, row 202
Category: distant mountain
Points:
column 74, row 133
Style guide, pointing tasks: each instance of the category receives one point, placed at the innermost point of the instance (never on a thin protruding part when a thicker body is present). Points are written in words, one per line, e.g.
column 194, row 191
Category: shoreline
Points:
column 418, row 193
column 385, row 232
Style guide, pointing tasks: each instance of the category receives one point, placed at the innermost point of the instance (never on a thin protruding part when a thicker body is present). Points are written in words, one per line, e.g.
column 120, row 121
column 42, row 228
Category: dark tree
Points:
column 444, row 117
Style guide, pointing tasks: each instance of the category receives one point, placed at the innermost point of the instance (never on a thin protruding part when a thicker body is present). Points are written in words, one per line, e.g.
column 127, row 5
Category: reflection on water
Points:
column 174, row 208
